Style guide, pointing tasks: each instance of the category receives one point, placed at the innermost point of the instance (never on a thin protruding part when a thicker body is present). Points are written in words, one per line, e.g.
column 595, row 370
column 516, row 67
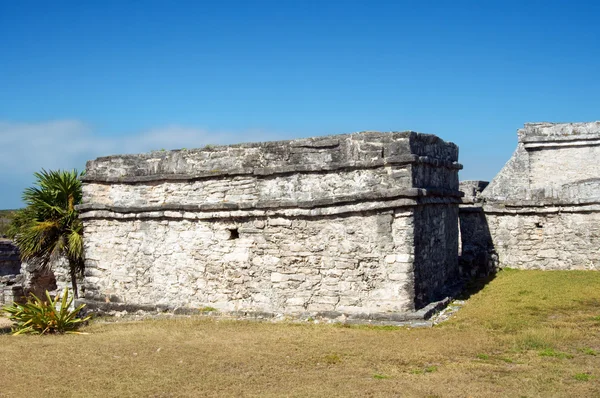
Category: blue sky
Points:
column 80, row 80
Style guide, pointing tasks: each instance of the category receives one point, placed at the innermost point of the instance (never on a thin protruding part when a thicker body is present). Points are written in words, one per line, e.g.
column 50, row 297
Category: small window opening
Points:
column 538, row 225
column 234, row 233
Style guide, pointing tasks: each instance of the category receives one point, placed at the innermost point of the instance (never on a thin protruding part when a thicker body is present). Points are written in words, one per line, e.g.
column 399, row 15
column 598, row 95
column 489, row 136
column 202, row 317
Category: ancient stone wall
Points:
column 362, row 225
column 553, row 240
column 543, row 208
column 436, row 250
column 10, row 268
column 18, row 279
column 55, row 278
column 10, row 261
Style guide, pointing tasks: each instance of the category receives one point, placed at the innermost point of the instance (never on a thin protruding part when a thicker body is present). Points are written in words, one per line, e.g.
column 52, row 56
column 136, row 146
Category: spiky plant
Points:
column 49, row 227
column 45, row 316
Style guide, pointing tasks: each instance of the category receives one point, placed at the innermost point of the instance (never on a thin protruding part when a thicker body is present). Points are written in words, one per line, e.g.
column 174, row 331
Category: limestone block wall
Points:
column 362, row 223
column 349, row 263
column 551, row 241
column 543, row 208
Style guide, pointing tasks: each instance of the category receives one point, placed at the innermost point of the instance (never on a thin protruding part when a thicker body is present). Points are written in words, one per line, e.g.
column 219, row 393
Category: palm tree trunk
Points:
column 73, row 279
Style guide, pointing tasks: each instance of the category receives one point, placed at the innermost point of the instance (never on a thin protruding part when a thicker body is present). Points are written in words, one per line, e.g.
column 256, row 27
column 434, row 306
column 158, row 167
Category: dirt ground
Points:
column 4, row 323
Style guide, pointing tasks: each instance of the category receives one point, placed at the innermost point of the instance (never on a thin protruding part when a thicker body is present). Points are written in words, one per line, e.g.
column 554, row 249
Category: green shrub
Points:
column 48, row 316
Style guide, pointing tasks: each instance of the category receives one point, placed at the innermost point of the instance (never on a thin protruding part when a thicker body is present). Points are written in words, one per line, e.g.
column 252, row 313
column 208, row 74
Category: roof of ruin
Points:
column 364, row 149
column 555, row 164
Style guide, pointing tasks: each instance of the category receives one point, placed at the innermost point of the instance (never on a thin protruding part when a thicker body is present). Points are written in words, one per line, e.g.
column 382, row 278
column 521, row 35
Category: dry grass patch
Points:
column 526, row 333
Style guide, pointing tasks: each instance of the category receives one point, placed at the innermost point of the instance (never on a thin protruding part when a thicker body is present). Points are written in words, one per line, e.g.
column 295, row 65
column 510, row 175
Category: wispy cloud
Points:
column 67, row 144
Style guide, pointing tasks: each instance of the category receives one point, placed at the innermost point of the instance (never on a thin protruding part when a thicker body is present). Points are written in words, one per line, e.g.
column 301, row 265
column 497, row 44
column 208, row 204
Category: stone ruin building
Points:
column 358, row 227
column 362, row 226
column 543, row 209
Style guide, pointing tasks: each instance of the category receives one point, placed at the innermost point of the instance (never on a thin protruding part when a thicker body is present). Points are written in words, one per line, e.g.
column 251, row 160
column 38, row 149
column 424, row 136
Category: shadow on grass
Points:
column 474, row 286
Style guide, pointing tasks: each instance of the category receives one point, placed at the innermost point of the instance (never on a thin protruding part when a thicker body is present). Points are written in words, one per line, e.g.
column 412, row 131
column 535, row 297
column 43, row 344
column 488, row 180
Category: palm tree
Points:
column 49, row 227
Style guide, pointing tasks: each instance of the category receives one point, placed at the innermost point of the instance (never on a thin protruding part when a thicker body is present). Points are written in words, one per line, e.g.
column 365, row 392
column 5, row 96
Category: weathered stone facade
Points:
column 361, row 225
column 543, row 208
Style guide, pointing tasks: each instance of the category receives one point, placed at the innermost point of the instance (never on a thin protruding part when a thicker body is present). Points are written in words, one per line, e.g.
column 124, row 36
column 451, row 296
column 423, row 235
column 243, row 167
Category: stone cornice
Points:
column 272, row 171
column 338, row 204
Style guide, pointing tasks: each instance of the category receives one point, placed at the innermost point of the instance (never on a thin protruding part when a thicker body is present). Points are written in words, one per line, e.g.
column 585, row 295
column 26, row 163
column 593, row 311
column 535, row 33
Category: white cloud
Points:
column 66, row 144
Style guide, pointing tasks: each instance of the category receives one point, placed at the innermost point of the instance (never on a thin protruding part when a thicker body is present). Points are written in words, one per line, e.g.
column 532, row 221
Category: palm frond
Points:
column 75, row 244
column 49, row 228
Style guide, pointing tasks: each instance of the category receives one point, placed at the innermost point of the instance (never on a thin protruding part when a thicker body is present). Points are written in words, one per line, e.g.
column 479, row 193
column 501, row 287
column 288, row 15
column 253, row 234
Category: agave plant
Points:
column 47, row 316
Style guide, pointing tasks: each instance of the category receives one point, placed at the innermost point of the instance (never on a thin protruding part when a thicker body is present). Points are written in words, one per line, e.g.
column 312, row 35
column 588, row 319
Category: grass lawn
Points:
column 525, row 334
